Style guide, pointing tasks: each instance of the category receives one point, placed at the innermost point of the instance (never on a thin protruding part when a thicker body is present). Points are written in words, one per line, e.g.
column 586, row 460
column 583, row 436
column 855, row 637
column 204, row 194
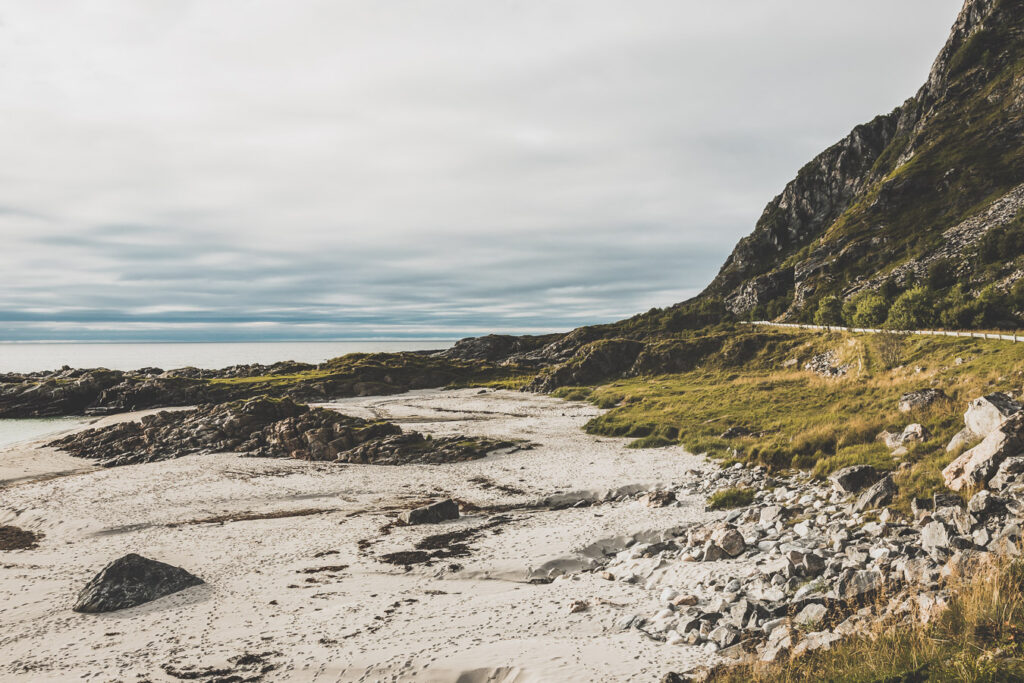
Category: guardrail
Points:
column 869, row 330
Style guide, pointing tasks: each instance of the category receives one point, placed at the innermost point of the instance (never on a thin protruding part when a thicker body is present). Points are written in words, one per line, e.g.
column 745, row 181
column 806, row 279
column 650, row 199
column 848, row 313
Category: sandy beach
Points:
column 291, row 555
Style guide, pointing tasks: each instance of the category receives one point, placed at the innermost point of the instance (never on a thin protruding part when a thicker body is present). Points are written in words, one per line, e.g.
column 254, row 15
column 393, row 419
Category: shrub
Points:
column 941, row 274
column 912, row 310
column 871, row 310
column 891, row 347
column 830, row 311
column 726, row 499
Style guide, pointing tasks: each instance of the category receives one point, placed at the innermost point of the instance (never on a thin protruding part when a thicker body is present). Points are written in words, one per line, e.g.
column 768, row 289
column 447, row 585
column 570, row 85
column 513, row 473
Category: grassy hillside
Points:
column 799, row 419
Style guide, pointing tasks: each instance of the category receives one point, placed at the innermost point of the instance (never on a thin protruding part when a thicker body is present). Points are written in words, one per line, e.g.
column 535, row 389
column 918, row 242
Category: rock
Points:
column 657, row 499
column 984, row 502
column 729, row 540
column 724, row 635
column 890, row 439
column 975, row 467
column 684, row 600
column 780, row 641
column 854, row 478
column 936, row 539
column 713, row 553
column 770, row 514
column 819, row 640
column 985, row 414
column 861, row 584
column 1007, row 472
column 964, row 438
column 919, row 399
column 880, row 493
column 431, row 514
column 132, row 580
column 736, row 432
column 813, row 613
column 578, row 606
column 914, row 433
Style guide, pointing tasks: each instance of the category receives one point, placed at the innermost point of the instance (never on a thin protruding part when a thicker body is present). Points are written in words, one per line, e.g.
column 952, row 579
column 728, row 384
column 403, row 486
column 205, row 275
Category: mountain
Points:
column 927, row 195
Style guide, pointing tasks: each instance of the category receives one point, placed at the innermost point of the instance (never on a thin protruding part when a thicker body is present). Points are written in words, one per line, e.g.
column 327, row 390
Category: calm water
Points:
column 18, row 357
column 16, row 431
column 28, row 357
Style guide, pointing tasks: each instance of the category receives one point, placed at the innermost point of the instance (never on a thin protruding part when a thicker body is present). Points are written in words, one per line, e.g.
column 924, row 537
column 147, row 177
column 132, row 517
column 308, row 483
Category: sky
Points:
column 305, row 169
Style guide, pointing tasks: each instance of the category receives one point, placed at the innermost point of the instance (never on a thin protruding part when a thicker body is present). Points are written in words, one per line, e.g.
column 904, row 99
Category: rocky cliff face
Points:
column 886, row 194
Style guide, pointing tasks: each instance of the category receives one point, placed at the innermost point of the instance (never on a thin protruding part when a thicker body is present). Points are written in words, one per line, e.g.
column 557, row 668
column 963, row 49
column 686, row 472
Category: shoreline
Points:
column 476, row 621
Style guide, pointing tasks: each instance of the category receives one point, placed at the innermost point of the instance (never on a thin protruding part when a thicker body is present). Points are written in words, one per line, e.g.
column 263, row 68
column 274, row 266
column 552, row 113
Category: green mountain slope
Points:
column 928, row 195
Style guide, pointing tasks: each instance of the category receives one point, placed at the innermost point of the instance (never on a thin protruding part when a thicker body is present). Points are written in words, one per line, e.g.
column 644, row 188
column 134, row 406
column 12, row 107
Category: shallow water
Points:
column 16, row 431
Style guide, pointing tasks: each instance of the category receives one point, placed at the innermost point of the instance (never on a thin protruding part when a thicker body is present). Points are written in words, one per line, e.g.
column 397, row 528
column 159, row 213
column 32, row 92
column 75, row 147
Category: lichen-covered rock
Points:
column 132, row 580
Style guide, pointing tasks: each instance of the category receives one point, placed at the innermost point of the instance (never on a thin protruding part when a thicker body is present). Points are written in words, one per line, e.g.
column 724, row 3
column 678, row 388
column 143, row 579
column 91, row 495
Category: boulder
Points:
column 657, row 499
column 434, row 513
column 854, row 478
column 976, row 466
column 880, row 493
column 919, row 399
column 985, row 414
column 730, row 540
column 132, row 580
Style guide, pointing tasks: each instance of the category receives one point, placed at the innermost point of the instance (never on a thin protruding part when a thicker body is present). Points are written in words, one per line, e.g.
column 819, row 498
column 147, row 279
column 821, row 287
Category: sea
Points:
column 29, row 357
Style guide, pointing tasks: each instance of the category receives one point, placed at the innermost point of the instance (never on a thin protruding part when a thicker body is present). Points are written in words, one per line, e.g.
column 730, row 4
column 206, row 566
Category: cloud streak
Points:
column 243, row 170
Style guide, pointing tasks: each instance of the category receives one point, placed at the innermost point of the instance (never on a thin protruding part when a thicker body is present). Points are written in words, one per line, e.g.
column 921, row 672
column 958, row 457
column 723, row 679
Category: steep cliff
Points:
column 922, row 183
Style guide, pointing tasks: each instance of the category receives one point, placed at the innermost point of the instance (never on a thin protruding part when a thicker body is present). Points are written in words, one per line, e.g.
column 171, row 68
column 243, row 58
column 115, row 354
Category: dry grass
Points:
column 978, row 638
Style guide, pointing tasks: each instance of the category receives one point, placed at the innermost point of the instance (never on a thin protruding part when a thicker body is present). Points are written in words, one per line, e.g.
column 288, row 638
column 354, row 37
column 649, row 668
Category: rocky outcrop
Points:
column 845, row 222
column 132, row 580
column 267, row 427
column 99, row 392
column 593, row 363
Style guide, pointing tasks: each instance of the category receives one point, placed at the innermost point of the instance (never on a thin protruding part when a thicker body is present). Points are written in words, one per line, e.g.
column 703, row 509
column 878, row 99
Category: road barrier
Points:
column 869, row 330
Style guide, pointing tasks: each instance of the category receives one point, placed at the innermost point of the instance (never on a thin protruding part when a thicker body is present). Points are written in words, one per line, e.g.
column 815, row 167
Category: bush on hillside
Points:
column 912, row 310
column 870, row 310
column 830, row 311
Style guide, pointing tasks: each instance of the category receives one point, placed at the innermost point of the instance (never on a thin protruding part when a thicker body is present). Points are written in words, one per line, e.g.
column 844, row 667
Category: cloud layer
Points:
column 237, row 169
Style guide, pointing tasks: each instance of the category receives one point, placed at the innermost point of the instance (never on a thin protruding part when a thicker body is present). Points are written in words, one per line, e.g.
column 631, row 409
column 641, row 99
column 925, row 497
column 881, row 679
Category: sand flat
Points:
column 275, row 584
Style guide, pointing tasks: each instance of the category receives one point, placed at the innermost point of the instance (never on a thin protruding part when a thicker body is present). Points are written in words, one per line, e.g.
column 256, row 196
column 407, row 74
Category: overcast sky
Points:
column 243, row 169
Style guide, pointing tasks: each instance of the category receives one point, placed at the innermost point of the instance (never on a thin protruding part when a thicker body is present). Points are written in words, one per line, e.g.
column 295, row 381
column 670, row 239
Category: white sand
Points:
column 444, row 624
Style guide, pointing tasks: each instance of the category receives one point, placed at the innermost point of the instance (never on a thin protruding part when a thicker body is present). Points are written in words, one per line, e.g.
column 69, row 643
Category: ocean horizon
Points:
column 42, row 356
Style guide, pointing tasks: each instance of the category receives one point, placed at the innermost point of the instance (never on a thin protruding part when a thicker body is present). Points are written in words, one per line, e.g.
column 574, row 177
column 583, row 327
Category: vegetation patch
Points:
column 727, row 499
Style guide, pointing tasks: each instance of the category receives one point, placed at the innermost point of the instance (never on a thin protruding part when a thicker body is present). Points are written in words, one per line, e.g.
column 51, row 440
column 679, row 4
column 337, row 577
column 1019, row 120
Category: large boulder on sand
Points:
column 132, row 580
column 985, row 414
column 432, row 514
column 976, row 466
